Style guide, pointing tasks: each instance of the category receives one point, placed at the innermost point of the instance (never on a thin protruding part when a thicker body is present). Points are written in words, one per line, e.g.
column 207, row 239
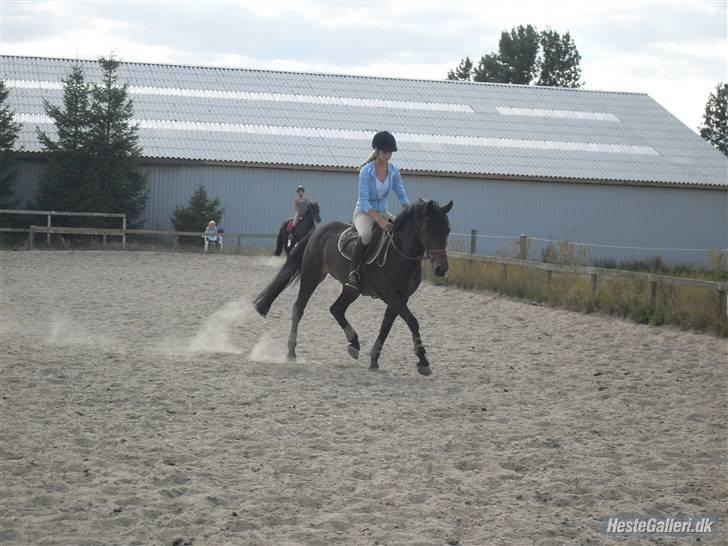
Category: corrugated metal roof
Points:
column 257, row 116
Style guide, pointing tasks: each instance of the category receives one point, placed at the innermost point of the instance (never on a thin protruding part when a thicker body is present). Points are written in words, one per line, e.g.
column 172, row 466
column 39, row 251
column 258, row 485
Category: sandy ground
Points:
column 144, row 402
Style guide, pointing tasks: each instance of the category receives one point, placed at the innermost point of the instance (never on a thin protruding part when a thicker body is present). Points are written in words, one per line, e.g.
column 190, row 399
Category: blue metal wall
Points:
column 256, row 200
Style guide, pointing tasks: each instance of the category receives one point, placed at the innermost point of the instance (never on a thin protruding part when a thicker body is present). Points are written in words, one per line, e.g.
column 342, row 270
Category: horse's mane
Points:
column 408, row 215
column 415, row 212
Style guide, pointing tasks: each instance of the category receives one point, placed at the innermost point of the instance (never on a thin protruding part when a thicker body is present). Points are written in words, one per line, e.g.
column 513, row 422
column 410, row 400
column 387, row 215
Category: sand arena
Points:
column 144, row 402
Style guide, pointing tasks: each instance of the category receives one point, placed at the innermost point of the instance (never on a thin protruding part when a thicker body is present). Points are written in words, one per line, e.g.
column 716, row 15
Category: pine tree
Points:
column 526, row 56
column 715, row 119
column 61, row 185
column 198, row 212
column 515, row 61
column 9, row 132
column 113, row 183
column 463, row 71
column 93, row 163
column 559, row 61
column 490, row 69
column 518, row 50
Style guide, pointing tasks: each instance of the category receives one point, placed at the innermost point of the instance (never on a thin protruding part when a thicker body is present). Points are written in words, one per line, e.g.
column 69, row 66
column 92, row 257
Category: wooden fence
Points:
column 49, row 214
column 693, row 304
column 123, row 233
column 595, row 274
column 49, row 229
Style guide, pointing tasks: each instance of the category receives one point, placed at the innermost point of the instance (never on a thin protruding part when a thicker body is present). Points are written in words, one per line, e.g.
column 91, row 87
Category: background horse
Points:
column 304, row 226
column 419, row 232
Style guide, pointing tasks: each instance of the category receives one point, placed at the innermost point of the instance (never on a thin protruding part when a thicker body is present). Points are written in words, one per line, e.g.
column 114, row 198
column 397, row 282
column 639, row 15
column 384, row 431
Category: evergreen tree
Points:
column 61, row 185
column 715, row 119
column 9, row 130
column 463, row 71
column 518, row 50
column 93, row 163
column 526, row 56
column 113, row 183
column 198, row 212
column 559, row 61
column 490, row 69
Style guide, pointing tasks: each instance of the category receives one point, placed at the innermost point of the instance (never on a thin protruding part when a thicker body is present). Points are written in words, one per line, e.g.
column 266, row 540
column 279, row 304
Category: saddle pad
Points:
column 349, row 236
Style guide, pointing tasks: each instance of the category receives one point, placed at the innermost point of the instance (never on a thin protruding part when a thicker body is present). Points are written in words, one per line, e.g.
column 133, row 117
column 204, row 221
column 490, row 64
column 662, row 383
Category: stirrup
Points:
column 353, row 280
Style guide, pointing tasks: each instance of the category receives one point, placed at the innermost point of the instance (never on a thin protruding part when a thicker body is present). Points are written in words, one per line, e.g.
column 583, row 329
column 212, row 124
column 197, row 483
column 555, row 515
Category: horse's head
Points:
column 433, row 228
column 315, row 212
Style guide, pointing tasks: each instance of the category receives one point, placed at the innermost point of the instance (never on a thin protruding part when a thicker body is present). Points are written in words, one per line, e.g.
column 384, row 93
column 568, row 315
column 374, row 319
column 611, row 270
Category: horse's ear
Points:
column 447, row 207
column 421, row 201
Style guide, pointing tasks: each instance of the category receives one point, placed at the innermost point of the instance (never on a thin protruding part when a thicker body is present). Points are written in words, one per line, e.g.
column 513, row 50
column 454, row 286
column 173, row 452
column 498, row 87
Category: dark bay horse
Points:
column 418, row 233
column 304, row 226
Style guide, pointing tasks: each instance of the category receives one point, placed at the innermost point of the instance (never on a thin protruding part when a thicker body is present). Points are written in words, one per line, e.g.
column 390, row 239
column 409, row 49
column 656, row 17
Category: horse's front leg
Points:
column 423, row 366
column 389, row 315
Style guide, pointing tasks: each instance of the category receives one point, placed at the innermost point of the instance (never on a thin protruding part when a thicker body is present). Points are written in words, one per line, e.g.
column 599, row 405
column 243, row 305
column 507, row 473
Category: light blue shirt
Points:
column 211, row 233
column 369, row 197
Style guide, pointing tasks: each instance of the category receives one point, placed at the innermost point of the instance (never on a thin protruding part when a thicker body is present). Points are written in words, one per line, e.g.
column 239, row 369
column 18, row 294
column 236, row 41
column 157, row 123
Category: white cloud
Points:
column 713, row 48
column 672, row 50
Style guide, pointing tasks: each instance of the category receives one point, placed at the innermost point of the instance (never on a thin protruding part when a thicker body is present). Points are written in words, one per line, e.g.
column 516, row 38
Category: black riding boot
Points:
column 357, row 258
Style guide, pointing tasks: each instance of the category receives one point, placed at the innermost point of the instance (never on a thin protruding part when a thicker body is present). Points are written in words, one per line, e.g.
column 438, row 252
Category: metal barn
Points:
column 602, row 176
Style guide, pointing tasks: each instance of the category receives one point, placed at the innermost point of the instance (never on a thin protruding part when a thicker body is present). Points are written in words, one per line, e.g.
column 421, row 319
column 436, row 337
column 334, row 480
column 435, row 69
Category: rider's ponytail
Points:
column 372, row 157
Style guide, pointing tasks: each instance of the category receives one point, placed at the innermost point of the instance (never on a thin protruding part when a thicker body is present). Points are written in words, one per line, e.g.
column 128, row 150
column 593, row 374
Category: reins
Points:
column 429, row 253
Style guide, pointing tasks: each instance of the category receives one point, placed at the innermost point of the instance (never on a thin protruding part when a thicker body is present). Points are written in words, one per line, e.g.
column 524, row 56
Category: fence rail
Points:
column 51, row 213
column 105, row 232
column 522, row 246
column 596, row 273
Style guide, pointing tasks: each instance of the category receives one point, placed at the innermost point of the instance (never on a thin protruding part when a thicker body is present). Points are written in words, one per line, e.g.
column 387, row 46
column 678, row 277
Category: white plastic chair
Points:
column 212, row 240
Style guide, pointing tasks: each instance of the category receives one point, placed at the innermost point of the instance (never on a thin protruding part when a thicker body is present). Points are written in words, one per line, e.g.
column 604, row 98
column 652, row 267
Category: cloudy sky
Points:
column 675, row 51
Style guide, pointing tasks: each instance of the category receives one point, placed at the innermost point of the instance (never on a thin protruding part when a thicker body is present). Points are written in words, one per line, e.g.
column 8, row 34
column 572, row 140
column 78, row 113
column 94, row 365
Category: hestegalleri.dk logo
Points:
column 648, row 525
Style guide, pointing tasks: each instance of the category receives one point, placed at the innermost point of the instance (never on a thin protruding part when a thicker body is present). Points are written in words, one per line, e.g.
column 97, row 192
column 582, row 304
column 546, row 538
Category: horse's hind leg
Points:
column 389, row 316
column 306, row 289
column 338, row 309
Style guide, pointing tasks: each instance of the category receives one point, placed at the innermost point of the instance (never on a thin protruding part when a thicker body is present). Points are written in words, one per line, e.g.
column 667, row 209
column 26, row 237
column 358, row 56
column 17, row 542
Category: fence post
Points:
column 722, row 303
column 32, row 236
column 473, row 241
column 123, row 236
column 103, row 240
column 239, row 240
column 523, row 247
column 653, row 293
column 594, row 284
column 176, row 241
column 48, row 236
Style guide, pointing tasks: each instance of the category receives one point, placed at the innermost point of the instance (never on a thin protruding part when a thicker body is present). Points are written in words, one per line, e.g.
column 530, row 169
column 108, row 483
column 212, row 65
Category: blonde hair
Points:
column 211, row 223
column 372, row 157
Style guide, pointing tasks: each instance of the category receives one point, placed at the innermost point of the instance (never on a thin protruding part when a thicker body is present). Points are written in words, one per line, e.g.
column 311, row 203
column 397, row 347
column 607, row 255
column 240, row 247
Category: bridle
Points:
column 429, row 253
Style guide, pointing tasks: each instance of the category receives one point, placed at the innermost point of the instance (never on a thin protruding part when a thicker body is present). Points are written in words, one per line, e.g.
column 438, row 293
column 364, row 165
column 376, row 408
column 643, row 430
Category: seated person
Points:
column 212, row 234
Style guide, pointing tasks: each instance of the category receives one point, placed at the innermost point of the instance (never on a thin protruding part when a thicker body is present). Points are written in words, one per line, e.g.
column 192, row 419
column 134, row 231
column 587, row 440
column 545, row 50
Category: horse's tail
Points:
column 280, row 242
column 288, row 273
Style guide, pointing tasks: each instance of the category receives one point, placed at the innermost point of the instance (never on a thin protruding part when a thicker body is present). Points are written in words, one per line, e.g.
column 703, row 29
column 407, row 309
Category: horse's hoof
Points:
column 353, row 352
column 291, row 357
column 374, row 367
column 424, row 370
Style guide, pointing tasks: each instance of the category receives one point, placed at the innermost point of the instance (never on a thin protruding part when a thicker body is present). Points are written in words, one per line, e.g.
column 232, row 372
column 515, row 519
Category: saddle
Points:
column 377, row 245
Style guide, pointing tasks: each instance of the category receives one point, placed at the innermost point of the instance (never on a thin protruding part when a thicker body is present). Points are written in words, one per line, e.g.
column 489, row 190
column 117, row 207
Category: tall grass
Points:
column 686, row 306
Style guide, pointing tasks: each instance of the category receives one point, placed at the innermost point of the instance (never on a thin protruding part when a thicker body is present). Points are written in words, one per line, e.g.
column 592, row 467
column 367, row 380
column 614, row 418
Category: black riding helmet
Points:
column 300, row 188
column 384, row 141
